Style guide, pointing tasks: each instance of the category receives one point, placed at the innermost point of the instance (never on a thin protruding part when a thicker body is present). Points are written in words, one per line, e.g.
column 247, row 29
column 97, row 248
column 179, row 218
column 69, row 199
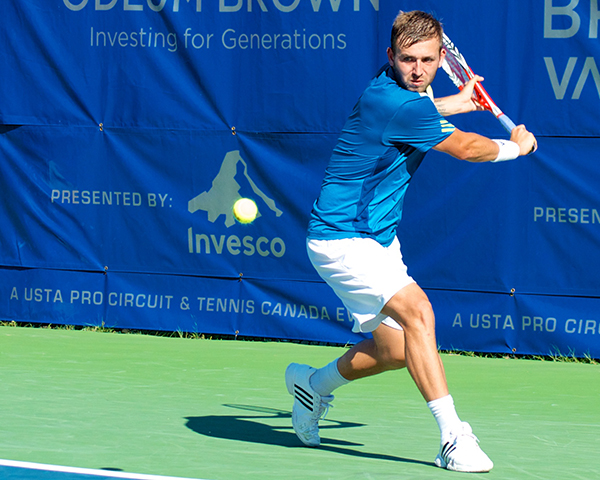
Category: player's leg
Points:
column 364, row 274
column 385, row 351
column 312, row 388
column 459, row 449
column 410, row 307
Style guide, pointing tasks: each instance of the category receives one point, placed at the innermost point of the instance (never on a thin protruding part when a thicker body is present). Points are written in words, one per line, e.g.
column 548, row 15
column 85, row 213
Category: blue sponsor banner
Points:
column 129, row 127
column 518, row 324
column 532, row 225
column 211, row 65
column 228, row 306
column 171, row 212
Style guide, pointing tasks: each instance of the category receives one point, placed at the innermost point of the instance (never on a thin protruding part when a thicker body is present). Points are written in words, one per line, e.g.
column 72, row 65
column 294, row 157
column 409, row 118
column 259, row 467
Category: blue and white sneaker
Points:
column 309, row 407
column 461, row 453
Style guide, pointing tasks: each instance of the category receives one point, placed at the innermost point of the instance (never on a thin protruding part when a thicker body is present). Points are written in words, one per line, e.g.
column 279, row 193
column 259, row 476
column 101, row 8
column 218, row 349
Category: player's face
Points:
column 415, row 66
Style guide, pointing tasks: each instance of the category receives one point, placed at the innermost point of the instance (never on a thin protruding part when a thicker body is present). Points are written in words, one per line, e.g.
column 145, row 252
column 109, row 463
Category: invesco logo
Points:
column 247, row 245
column 217, row 203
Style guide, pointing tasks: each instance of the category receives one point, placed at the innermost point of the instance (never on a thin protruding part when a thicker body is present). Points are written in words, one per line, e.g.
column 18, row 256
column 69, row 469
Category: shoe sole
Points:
column 290, row 374
column 439, row 462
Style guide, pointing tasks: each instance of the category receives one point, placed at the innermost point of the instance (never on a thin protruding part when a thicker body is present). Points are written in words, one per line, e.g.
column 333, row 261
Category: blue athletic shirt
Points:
column 381, row 146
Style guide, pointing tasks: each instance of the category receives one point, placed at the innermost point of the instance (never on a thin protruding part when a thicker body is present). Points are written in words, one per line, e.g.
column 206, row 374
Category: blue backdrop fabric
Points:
column 129, row 127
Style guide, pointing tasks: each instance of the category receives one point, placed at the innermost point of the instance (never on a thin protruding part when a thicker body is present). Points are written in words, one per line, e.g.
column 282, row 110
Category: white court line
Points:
column 87, row 471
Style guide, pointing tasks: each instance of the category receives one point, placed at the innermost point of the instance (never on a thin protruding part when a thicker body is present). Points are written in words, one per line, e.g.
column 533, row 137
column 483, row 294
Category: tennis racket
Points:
column 460, row 73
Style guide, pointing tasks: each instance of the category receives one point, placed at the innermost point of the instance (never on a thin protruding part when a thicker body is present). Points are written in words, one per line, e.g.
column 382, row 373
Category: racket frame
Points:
column 459, row 72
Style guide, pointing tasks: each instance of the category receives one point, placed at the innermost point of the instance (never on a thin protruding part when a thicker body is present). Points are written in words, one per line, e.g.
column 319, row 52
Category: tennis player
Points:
column 352, row 235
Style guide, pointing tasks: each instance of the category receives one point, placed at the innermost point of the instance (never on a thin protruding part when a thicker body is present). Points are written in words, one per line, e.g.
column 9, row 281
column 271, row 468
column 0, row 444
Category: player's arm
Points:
column 477, row 148
column 462, row 102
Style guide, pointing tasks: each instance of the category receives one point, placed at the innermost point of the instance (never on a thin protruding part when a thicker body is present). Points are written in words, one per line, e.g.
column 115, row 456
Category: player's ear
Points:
column 390, row 54
column 442, row 56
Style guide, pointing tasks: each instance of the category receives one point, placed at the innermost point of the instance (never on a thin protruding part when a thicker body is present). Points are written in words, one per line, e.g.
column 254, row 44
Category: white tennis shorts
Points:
column 364, row 274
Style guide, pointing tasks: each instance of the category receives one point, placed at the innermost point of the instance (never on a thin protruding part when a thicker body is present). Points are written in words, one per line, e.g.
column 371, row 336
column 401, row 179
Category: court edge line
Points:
column 87, row 471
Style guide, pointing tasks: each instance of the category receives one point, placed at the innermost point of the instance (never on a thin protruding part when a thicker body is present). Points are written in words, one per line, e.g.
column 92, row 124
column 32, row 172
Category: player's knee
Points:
column 394, row 358
column 395, row 362
column 421, row 317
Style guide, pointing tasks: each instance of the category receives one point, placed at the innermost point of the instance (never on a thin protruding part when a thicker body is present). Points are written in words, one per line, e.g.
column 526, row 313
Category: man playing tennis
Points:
column 352, row 235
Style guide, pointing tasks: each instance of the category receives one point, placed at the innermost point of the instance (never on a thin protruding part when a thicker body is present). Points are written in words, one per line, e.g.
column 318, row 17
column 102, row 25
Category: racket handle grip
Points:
column 506, row 122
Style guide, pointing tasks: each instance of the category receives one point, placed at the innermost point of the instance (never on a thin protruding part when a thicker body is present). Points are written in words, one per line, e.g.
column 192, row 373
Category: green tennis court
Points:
column 219, row 410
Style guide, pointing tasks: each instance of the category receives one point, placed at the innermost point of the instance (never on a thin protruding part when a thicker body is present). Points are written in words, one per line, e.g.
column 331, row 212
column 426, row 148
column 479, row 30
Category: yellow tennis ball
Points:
column 245, row 210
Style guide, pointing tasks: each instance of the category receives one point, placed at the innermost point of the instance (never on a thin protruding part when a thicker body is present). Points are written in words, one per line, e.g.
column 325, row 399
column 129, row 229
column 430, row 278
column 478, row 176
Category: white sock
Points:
column 445, row 414
column 325, row 380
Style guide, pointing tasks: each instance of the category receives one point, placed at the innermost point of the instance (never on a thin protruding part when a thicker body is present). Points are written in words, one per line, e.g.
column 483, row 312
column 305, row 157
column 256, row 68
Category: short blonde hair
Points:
column 414, row 27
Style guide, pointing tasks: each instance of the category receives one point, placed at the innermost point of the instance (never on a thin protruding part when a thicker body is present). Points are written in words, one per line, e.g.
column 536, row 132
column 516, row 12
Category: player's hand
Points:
column 525, row 139
column 461, row 102
column 466, row 95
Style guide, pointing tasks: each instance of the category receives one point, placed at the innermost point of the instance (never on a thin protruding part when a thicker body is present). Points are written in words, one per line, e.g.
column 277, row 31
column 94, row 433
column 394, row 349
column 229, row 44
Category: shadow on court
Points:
column 250, row 428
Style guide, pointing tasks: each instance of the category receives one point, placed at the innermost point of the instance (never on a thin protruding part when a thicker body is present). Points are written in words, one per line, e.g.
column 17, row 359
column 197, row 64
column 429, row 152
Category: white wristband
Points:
column 508, row 150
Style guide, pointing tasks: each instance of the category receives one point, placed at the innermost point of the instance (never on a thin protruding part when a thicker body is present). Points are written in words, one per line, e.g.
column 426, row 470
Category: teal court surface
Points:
column 81, row 405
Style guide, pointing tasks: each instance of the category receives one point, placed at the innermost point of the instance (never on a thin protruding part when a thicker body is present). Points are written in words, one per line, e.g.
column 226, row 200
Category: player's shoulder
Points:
column 384, row 89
